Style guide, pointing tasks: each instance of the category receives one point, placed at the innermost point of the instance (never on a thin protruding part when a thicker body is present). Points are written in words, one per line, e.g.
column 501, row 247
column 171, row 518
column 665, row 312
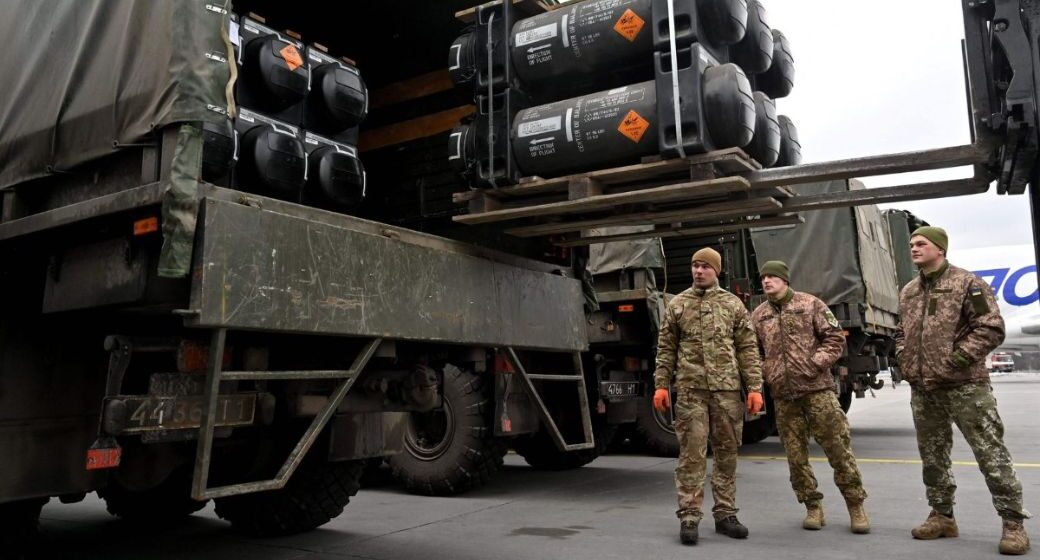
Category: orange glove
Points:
column 754, row 402
column 662, row 400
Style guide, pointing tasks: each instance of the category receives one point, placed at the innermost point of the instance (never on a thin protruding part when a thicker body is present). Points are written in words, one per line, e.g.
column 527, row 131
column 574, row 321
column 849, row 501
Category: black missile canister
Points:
column 754, row 53
column 582, row 39
column 600, row 130
column 778, row 81
column 335, row 177
column 765, row 143
column 790, row 147
column 271, row 158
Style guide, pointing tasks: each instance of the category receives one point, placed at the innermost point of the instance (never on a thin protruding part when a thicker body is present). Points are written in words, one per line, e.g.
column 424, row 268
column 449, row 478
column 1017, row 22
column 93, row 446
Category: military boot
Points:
column 814, row 520
column 731, row 527
column 858, row 520
column 936, row 526
column 1014, row 540
column 688, row 531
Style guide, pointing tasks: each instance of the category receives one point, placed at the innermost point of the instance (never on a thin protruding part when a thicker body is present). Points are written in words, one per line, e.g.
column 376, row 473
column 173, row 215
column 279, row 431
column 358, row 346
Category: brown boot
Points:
column 814, row 520
column 1014, row 540
column 858, row 520
column 936, row 526
column 688, row 533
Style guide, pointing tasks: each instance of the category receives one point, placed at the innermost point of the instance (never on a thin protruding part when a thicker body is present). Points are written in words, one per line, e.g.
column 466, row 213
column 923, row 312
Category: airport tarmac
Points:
column 620, row 506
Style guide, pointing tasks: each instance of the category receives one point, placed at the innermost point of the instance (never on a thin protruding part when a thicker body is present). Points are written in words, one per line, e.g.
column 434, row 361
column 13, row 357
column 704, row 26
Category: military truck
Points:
column 845, row 256
column 195, row 309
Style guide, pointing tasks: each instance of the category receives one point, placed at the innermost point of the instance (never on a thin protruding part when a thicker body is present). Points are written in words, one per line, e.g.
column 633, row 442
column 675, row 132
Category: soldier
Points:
column 802, row 340
column 707, row 348
column 949, row 323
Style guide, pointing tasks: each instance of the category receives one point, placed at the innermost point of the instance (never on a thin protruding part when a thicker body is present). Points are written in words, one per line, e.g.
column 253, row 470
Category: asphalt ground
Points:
column 620, row 506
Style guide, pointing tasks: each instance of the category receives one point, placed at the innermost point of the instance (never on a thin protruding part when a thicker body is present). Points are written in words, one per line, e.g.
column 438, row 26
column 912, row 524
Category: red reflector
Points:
column 146, row 226
column 103, row 458
column 627, row 308
column 503, row 365
column 194, row 357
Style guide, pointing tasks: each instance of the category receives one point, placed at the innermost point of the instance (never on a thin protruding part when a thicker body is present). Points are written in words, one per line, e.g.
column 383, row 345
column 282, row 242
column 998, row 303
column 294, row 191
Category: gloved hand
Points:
column 960, row 359
column 662, row 400
column 755, row 402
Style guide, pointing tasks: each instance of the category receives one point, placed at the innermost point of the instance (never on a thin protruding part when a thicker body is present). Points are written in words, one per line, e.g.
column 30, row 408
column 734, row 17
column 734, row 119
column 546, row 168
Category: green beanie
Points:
column 936, row 235
column 776, row 268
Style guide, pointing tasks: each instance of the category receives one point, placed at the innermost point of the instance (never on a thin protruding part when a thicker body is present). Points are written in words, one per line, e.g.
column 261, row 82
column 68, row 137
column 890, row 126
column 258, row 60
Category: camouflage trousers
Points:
column 818, row 415
column 700, row 416
column 973, row 408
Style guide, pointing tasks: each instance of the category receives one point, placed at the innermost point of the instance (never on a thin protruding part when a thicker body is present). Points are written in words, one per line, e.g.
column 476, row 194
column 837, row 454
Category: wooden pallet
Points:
column 679, row 196
column 525, row 7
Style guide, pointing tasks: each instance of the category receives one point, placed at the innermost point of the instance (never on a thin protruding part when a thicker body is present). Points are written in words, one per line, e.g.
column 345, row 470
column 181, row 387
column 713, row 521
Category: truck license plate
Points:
column 619, row 389
column 146, row 413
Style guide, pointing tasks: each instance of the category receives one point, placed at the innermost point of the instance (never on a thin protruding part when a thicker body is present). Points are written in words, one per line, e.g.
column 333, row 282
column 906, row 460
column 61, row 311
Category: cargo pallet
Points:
column 678, row 197
column 718, row 191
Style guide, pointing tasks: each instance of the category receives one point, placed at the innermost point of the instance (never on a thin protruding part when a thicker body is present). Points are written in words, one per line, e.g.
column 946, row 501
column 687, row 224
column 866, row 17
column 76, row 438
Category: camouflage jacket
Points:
column 706, row 342
column 949, row 321
column 801, row 340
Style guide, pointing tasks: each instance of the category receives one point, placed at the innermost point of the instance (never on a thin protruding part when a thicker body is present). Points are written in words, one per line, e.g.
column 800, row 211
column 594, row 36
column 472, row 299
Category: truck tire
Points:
column 19, row 528
column 315, row 494
column 540, row 451
column 453, row 449
column 654, row 431
column 166, row 503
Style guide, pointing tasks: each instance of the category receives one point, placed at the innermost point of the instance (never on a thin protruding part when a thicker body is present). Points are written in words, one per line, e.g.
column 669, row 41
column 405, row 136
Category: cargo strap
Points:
column 675, row 79
column 588, row 440
column 491, row 99
column 214, row 375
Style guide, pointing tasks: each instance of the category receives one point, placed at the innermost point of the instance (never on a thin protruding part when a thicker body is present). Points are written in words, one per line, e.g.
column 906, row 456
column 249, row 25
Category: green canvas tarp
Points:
column 85, row 78
column 842, row 256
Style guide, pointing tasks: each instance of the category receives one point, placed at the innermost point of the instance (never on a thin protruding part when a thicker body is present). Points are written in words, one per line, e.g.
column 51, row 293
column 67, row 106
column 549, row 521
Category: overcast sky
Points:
column 885, row 76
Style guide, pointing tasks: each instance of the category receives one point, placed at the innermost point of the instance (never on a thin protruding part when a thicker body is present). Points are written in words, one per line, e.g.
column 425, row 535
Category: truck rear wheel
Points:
column 315, row 494
column 540, row 451
column 169, row 501
column 654, row 431
column 452, row 449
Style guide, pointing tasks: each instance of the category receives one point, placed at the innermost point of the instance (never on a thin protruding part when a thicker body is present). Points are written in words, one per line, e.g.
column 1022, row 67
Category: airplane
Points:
column 1011, row 272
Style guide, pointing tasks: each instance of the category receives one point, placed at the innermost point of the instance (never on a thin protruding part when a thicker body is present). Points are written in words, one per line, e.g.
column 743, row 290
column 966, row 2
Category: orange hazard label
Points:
column 629, row 25
column 292, row 57
column 633, row 126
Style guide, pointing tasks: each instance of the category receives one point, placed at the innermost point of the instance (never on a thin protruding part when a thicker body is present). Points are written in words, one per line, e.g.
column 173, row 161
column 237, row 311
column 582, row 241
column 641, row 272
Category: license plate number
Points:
column 619, row 389
column 179, row 413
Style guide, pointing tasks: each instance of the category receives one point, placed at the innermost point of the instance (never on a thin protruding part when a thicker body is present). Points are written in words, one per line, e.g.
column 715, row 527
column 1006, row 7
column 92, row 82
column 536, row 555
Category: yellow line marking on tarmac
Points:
column 882, row 461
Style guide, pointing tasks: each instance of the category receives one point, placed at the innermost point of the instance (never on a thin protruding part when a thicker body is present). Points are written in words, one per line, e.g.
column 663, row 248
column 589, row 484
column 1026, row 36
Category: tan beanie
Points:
column 709, row 256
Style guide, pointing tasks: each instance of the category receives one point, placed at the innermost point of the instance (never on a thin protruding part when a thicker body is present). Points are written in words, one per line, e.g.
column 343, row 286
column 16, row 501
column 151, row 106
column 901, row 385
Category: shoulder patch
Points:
column 831, row 319
column 978, row 300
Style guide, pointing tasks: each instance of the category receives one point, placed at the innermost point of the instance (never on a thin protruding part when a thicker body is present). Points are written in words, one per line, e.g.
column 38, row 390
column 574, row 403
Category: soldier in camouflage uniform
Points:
column 949, row 323
column 802, row 340
column 707, row 348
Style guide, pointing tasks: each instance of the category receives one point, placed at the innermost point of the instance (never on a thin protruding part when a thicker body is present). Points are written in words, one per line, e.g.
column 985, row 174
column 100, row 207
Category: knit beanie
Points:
column 709, row 256
column 936, row 235
column 776, row 268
